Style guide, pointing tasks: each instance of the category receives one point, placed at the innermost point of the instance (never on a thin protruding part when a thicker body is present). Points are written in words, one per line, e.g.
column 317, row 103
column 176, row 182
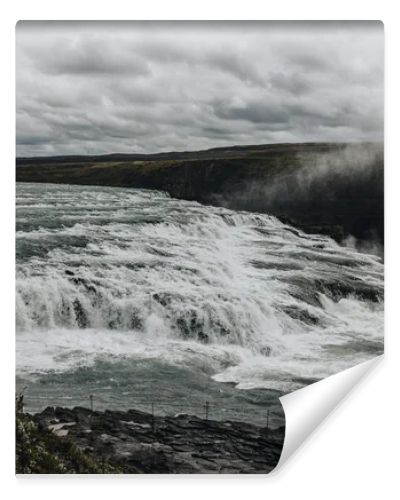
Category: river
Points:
column 140, row 299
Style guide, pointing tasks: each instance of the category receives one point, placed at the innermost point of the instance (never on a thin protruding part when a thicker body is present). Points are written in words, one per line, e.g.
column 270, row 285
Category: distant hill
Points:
column 333, row 188
column 260, row 150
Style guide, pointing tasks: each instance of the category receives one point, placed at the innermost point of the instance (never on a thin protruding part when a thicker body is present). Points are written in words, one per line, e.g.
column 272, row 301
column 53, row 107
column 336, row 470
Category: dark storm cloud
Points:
column 83, row 56
column 256, row 112
column 146, row 87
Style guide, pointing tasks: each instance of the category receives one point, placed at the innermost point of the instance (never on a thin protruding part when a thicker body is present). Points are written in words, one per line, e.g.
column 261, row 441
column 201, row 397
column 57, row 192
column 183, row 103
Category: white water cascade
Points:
column 120, row 274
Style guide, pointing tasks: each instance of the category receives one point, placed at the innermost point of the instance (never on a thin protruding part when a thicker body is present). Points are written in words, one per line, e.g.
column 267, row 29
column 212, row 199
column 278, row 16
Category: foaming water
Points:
column 122, row 276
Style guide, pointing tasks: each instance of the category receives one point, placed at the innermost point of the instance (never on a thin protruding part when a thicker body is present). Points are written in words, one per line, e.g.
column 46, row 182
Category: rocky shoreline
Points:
column 134, row 442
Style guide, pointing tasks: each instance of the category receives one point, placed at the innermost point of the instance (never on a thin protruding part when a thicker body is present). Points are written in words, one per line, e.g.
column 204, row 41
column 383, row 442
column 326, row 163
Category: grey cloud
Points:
column 98, row 88
column 222, row 58
column 292, row 83
column 256, row 112
column 90, row 56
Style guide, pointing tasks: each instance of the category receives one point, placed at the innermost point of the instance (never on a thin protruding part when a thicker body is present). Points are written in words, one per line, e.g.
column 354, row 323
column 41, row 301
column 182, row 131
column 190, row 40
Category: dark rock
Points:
column 301, row 314
column 136, row 321
column 266, row 351
column 80, row 314
column 203, row 337
column 134, row 441
column 80, row 281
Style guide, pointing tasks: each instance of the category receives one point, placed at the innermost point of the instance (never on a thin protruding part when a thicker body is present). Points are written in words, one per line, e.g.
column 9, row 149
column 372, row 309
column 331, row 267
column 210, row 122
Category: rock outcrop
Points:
column 137, row 442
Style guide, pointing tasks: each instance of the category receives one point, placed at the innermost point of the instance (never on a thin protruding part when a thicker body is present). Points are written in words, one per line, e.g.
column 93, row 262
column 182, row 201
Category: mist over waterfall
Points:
column 142, row 282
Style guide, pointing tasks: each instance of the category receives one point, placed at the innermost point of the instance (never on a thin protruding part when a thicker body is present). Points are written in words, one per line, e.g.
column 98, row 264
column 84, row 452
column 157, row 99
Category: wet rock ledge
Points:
column 136, row 442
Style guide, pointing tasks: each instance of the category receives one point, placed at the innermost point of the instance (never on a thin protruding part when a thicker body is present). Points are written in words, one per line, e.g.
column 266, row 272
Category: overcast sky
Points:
column 88, row 88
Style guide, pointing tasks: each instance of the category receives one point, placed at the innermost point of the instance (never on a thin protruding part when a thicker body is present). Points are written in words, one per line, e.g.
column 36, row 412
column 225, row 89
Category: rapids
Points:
column 131, row 290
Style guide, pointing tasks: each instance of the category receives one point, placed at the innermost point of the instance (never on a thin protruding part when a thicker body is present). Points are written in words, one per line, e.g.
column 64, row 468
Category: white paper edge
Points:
column 305, row 409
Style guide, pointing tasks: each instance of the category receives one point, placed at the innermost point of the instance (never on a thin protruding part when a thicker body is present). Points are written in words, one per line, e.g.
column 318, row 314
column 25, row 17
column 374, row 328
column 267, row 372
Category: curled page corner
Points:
column 306, row 408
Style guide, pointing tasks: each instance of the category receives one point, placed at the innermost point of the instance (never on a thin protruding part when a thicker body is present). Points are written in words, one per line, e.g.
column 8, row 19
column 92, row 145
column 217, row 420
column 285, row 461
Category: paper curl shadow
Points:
column 307, row 408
